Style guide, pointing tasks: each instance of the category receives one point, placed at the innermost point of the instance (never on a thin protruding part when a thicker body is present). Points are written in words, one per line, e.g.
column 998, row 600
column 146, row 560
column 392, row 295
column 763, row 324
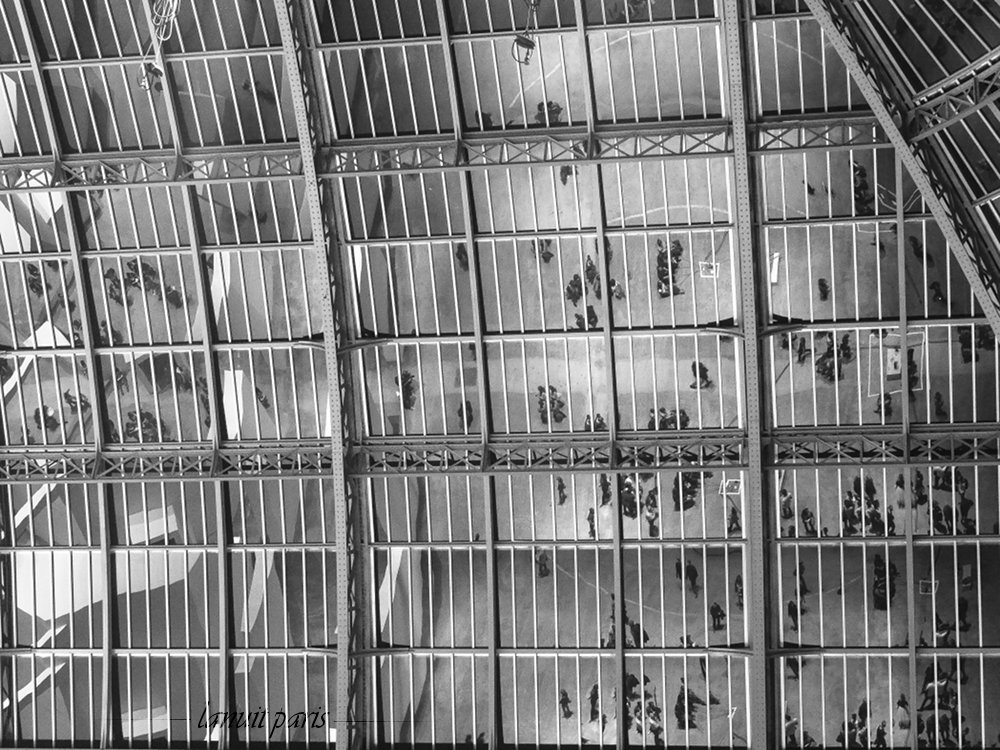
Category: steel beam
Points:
column 112, row 61
column 139, row 349
column 984, row 287
column 761, row 731
column 956, row 98
column 150, row 168
column 296, row 58
column 500, row 33
column 158, row 462
column 208, row 165
column 872, row 445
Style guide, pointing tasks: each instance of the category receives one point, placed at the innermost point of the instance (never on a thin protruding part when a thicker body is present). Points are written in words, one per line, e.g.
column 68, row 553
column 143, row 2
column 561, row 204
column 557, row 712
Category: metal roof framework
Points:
column 313, row 206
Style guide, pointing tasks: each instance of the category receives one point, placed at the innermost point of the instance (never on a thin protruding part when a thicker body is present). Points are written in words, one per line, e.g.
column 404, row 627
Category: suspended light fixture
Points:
column 164, row 20
column 524, row 43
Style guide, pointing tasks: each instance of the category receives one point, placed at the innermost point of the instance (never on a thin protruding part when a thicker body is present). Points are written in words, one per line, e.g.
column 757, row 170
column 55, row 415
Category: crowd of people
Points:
column 883, row 590
column 943, row 516
column 46, row 416
column 939, row 722
column 686, row 488
column 641, row 709
column 143, row 423
column 668, row 419
column 143, row 277
column 973, row 338
column 635, row 498
column 830, row 364
column 863, row 512
column 550, row 404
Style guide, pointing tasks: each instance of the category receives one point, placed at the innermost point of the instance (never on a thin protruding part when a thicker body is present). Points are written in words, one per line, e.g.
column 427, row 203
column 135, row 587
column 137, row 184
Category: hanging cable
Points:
column 524, row 43
column 164, row 19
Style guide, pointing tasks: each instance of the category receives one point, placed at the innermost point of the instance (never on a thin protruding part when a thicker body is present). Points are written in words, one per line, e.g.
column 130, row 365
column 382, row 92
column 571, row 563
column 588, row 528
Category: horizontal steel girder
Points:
column 963, row 95
column 252, row 163
column 962, row 444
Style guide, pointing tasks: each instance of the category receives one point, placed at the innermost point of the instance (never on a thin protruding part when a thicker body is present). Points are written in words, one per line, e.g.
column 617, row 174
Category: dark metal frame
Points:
column 321, row 164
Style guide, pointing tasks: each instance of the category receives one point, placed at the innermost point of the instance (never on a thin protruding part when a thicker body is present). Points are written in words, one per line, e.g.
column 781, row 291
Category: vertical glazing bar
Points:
column 760, row 730
column 105, row 494
column 224, row 614
column 910, row 516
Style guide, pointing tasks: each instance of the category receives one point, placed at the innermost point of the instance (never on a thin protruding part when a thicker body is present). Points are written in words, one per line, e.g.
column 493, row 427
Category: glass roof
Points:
column 522, row 487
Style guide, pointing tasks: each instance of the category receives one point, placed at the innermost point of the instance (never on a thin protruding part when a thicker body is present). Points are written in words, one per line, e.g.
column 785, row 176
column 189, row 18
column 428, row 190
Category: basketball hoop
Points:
column 731, row 487
column 524, row 43
column 708, row 270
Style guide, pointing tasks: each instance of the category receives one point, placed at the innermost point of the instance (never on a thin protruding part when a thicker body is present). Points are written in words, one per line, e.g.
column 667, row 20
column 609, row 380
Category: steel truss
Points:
column 167, row 461
column 973, row 446
column 594, row 144
column 629, row 452
column 548, row 145
column 961, row 95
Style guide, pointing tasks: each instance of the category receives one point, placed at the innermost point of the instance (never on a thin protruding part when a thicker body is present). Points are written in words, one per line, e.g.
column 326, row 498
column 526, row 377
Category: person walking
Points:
column 691, row 573
column 564, row 703
column 808, row 521
column 652, row 515
column 542, row 560
column 465, row 414
column 700, row 374
column 803, row 587
column 793, row 614
column 880, row 739
column 734, row 526
column 718, row 616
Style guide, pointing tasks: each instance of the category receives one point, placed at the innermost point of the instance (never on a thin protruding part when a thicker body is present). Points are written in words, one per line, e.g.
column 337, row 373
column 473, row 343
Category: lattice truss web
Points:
column 499, row 373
